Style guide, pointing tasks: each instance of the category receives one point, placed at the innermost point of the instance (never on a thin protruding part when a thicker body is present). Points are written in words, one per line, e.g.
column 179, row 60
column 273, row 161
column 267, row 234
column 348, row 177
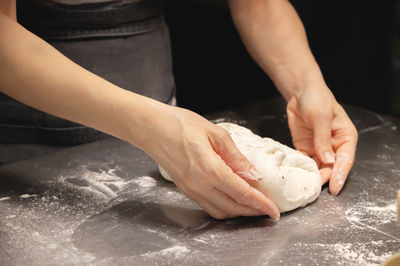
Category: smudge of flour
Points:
column 350, row 253
column 176, row 252
column 146, row 181
column 42, row 227
column 105, row 183
column 27, row 196
column 371, row 213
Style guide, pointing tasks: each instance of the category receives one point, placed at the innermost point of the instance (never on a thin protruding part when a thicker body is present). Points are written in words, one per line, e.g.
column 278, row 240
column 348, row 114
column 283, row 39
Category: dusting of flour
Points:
column 365, row 254
column 176, row 252
column 106, row 184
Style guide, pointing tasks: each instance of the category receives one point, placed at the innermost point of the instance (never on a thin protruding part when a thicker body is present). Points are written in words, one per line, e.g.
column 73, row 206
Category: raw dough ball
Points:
column 291, row 179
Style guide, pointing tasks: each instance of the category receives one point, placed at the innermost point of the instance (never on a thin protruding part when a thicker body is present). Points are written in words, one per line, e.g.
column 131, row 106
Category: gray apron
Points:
column 124, row 41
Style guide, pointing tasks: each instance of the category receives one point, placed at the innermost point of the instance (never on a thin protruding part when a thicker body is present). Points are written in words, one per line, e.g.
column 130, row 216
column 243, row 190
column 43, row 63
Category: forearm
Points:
column 36, row 74
column 276, row 39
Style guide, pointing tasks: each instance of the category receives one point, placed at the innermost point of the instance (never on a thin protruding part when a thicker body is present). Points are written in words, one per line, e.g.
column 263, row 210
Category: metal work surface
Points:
column 105, row 203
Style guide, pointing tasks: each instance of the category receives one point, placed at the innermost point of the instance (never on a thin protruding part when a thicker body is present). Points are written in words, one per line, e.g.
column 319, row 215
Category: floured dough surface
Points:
column 291, row 179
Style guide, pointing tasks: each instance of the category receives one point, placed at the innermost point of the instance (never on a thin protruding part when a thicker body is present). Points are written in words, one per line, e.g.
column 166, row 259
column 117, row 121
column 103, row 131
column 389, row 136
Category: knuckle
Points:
column 222, row 132
column 243, row 196
column 227, row 140
column 352, row 136
column 220, row 135
column 221, row 171
column 322, row 115
column 241, row 159
column 239, row 162
column 216, row 174
column 355, row 133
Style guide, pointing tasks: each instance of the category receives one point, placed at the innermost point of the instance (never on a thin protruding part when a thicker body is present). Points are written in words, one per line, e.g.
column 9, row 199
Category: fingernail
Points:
column 252, row 174
column 335, row 190
column 329, row 157
column 339, row 182
column 273, row 212
column 255, row 174
column 276, row 214
column 339, row 186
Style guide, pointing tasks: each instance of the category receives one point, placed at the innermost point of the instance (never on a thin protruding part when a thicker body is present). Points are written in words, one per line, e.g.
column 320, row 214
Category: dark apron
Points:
column 125, row 42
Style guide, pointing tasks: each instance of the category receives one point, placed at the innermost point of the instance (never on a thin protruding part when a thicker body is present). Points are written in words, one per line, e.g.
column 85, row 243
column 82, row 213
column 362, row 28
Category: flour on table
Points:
column 27, row 196
column 106, row 183
column 291, row 179
column 175, row 252
column 4, row 198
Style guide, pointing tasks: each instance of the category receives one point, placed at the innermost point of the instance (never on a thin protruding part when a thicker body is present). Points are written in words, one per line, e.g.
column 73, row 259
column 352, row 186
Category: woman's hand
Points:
column 199, row 156
column 205, row 164
column 321, row 129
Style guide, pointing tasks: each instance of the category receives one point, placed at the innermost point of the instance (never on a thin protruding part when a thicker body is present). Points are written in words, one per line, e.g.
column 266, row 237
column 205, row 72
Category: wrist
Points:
column 297, row 81
column 143, row 121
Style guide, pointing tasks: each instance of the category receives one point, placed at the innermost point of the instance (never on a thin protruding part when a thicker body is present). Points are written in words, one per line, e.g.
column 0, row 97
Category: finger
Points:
column 229, row 205
column 220, row 206
column 246, row 195
column 230, row 154
column 322, row 138
column 325, row 172
column 211, row 210
column 316, row 159
column 343, row 164
column 216, row 203
column 207, row 206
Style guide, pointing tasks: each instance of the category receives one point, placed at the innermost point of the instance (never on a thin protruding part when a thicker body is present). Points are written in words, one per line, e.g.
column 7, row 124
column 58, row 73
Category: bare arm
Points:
column 275, row 37
column 9, row 8
column 36, row 74
column 195, row 152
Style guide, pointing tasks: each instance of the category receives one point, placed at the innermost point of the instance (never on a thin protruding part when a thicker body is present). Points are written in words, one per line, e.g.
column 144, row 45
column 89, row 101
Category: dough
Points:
column 291, row 179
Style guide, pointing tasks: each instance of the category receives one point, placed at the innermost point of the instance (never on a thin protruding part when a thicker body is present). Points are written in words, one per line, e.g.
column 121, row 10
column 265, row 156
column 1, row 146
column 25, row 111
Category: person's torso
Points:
column 123, row 41
column 73, row 19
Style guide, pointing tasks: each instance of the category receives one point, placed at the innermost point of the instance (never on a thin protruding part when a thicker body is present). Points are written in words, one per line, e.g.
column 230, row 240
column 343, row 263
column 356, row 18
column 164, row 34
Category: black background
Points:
column 353, row 42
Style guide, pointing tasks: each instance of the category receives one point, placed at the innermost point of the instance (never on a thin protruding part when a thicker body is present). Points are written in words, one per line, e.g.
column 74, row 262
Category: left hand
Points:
column 321, row 129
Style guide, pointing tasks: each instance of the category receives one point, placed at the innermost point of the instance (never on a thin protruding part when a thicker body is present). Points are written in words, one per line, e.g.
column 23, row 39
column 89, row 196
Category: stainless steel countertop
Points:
column 104, row 203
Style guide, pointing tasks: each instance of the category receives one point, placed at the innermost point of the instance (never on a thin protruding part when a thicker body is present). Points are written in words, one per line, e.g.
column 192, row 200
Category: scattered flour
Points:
column 26, row 196
column 372, row 214
column 176, row 252
column 386, row 210
column 360, row 253
column 146, row 181
column 350, row 253
column 42, row 228
column 106, row 183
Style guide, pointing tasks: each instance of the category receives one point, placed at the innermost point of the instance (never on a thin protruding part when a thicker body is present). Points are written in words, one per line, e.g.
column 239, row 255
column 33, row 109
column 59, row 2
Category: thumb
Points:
column 231, row 155
column 323, row 138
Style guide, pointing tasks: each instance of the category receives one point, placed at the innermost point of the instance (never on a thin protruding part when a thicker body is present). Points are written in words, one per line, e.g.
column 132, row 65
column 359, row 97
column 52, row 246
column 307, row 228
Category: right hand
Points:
column 205, row 164
column 321, row 129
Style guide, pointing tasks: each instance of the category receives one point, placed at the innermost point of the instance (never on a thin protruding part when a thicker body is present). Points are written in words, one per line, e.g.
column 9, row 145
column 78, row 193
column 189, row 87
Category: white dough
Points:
column 291, row 179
